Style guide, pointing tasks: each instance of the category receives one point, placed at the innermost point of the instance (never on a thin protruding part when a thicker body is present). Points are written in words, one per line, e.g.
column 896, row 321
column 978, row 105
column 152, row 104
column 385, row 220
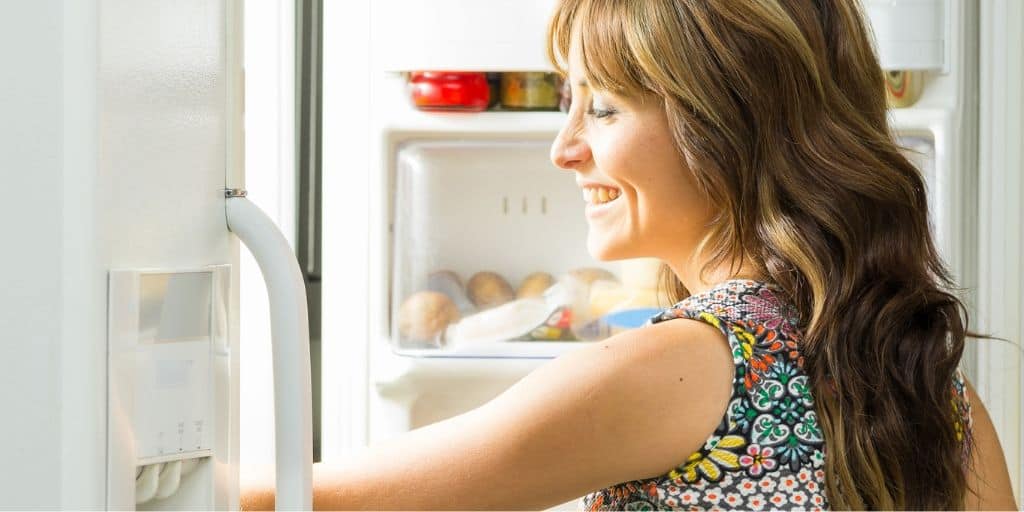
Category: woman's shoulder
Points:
column 766, row 434
column 760, row 325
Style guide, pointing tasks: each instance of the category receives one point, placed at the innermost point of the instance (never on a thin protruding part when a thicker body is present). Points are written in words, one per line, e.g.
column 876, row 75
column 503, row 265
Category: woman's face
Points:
column 622, row 148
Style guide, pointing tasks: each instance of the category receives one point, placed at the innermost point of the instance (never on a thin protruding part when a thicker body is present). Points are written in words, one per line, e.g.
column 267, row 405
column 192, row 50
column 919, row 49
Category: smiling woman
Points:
column 751, row 139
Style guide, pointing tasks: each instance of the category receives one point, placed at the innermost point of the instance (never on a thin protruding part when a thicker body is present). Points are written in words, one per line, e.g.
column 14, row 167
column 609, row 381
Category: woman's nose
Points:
column 569, row 151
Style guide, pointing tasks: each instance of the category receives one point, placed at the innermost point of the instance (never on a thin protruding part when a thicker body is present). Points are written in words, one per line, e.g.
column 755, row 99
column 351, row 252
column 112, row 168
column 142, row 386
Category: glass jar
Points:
column 530, row 91
column 903, row 88
column 449, row 91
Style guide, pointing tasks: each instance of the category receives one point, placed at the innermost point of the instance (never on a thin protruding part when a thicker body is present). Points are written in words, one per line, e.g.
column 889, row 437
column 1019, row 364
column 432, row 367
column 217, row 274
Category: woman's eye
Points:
column 600, row 113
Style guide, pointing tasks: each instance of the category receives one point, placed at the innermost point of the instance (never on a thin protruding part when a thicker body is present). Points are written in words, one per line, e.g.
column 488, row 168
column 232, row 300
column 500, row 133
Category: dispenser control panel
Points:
column 166, row 327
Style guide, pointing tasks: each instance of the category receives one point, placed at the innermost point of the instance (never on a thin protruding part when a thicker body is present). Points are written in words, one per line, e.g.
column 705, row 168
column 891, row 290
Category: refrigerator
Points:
column 134, row 319
column 424, row 199
column 124, row 195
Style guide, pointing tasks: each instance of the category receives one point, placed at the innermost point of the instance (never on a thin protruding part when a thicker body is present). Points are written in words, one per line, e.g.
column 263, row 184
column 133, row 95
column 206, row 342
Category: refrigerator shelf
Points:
column 921, row 121
column 496, row 350
column 411, row 123
column 395, row 375
column 397, row 118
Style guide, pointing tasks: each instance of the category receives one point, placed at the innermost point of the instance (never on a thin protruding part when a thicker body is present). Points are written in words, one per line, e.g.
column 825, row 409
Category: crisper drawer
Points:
column 489, row 256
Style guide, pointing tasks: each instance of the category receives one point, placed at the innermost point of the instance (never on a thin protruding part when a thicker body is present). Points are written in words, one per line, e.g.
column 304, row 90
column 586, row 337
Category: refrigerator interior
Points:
column 466, row 192
column 495, row 226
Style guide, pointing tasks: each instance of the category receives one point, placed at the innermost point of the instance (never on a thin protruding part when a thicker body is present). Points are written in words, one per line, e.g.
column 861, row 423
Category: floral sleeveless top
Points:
column 768, row 451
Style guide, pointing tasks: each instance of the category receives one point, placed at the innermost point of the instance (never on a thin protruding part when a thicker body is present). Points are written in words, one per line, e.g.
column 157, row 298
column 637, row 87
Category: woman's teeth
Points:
column 600, row 195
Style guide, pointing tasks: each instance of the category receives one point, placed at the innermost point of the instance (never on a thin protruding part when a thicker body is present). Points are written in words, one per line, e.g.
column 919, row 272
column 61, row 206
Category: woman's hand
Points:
column 257, row 484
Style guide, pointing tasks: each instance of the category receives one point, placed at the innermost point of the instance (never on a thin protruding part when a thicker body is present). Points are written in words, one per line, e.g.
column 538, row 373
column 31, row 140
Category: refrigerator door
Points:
column 125, row 123
column 165, row 112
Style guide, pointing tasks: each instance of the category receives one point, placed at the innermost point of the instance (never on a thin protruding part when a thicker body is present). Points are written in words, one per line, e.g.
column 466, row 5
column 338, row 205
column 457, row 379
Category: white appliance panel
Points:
column 496, row 35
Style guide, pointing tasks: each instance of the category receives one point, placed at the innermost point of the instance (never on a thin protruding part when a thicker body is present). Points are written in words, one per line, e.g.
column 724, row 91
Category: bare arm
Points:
column 990, row 478
column 633, row 406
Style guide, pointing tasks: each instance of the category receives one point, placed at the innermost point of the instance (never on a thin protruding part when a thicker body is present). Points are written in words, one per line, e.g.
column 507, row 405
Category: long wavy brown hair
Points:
column 778, row 108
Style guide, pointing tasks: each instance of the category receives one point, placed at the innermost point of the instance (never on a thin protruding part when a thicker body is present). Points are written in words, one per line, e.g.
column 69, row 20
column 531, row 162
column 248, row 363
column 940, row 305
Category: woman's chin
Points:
column 604, row 250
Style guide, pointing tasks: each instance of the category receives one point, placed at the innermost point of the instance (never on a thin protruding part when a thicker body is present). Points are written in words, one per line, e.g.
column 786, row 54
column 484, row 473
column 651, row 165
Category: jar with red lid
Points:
column 449, row 90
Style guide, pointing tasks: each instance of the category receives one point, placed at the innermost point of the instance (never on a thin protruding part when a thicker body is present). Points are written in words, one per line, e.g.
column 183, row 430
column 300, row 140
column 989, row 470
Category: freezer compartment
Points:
column 489, row 255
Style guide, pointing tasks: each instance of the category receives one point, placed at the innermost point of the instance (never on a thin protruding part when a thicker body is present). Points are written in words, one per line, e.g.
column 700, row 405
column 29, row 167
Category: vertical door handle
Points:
column 289, row 325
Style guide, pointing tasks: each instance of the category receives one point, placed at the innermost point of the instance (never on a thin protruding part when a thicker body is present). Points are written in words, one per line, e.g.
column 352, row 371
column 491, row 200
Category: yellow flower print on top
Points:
column 710, row 462
column 711, row 319
column 957, row 424
column 746, row 340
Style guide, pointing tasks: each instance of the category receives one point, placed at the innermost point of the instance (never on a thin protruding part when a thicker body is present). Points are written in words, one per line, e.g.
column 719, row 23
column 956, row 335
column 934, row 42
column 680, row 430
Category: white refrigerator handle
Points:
column 289, row 325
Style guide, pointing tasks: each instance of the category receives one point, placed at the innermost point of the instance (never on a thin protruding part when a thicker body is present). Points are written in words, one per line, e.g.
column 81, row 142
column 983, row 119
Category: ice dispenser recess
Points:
column 167, row 354
column 489, row 254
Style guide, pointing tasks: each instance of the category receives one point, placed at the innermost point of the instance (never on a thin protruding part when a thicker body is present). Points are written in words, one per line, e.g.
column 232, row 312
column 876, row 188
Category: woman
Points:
column 812, row 360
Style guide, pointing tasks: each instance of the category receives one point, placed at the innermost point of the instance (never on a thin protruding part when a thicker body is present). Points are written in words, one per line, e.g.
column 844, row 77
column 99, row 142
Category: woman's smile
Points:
column 599, row 198
column 600, row 201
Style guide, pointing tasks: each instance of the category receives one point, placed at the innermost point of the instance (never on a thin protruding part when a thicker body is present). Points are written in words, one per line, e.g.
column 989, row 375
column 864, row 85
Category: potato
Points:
column 488, row 289
column 534, row 285
column 425, row 315
column 591, row 274
column 448, row 277
column 449, row 283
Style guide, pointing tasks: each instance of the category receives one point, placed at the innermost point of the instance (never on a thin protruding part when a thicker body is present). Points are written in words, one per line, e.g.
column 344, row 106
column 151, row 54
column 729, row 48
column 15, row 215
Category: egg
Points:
column 488, row 289
column 424, row 315
column 534, row 285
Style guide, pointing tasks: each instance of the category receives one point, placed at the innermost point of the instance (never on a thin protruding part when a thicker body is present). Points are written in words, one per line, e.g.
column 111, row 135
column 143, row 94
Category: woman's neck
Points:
column 691, row 275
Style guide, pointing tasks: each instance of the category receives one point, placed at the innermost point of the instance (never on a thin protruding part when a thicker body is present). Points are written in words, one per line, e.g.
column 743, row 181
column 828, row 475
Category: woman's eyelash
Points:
column 600, row 113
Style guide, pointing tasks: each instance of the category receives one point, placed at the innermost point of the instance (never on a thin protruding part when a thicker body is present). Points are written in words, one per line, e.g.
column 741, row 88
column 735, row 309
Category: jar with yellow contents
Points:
column 530, row 91
column 903, row 87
